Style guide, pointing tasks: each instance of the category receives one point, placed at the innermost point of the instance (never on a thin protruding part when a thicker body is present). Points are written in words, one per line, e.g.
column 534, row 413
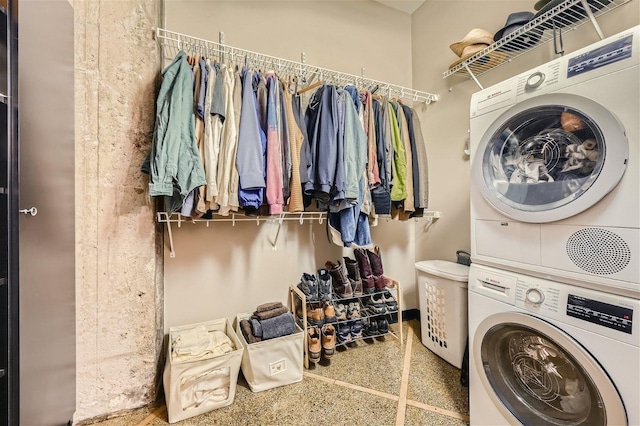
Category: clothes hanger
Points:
column 310, row 87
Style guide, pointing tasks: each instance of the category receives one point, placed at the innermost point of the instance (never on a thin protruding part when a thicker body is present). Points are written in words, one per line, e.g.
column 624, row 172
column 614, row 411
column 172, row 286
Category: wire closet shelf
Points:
column 173, row 42
column 545, row 28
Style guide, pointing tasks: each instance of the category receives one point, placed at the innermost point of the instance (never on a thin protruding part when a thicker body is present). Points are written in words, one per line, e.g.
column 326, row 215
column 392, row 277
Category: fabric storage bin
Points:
column 198, row 386
column 271, row 363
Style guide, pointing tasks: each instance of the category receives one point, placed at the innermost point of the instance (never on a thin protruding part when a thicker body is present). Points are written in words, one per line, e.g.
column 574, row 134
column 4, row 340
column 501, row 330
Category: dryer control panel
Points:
column 605, row 57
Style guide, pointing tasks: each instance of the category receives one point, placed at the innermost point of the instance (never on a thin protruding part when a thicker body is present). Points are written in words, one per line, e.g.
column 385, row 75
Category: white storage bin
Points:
column 442, row 287
column 271, row 363
column 198, row 386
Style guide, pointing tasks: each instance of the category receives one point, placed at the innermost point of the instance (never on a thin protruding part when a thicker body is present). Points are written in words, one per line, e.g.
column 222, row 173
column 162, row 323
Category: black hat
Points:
column 570, row 15
column 514, row 22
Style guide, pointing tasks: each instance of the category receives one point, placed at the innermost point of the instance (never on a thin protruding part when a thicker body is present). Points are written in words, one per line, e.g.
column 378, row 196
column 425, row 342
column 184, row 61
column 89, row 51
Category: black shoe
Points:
column 383, row 326
column 371, row 328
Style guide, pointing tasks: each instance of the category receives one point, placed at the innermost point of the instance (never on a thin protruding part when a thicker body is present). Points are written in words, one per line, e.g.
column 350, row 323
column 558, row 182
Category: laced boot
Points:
column 339, row 279
column 366, row 275
column 353, row 273
column 314, row 344
column 328, row 340
column 381, row 282
column 325, row 288
column 309, row 286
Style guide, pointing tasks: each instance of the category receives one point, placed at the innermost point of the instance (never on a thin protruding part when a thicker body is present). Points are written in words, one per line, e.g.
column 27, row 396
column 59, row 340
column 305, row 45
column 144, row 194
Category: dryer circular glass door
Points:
column 550, row 157
column 537, row 374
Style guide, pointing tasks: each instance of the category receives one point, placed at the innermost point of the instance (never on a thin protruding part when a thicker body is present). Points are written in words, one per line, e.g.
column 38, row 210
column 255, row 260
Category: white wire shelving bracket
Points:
column 173, row 42
column 233, row 218
column 547, row 27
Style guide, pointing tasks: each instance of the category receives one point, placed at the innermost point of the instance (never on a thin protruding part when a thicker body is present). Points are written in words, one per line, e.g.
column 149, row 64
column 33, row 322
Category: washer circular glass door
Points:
column 536, row 374
column 550, row 157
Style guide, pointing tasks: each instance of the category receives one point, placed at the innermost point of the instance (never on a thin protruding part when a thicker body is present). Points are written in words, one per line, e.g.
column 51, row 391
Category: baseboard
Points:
column 410, row 314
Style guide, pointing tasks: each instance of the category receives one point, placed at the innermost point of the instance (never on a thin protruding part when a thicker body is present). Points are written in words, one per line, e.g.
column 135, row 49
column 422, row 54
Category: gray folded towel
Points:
column 245, row 326
column 282, row 325
column 271, row 313
column 268, row 306
column 256, row 327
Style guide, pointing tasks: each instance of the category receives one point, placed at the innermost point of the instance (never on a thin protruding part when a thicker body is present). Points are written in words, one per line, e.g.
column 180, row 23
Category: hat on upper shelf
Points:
column 475, row 36
column 570, row 15
column 514, row 22
column 476, row 41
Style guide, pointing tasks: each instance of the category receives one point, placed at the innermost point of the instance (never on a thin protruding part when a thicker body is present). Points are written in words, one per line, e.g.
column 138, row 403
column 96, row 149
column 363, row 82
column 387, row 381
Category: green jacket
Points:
column 174, row 164
column 399, row 188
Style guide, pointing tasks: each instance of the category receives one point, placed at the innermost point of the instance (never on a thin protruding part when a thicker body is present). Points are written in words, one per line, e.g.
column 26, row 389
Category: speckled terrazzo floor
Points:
column 374, row 383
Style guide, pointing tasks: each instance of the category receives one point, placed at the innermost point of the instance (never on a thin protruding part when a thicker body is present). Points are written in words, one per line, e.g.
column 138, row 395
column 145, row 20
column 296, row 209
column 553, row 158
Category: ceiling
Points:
column 406, row 6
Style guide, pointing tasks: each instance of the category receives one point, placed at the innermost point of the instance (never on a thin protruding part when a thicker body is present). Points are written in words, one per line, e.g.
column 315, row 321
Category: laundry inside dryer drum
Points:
column 543, row 158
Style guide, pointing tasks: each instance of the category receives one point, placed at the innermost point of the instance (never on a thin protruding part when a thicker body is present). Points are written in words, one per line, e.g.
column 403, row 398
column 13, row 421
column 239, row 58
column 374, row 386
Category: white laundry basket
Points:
column 442, row 287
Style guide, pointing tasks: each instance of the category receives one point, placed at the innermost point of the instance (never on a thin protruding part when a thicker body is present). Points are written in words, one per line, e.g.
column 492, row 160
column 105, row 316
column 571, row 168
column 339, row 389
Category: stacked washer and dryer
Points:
column 554, row 288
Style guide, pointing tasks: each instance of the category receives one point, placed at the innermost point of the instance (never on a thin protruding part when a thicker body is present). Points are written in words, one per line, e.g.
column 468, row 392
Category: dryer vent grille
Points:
column 598, row 251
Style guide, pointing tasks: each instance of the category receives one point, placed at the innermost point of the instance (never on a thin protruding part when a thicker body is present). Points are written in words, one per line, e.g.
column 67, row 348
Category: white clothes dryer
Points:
column 555, row 188
column 548, row 353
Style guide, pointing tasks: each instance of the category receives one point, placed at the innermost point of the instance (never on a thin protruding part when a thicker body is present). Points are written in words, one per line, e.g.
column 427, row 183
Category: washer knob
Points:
column 535, row 296
column 535, row 80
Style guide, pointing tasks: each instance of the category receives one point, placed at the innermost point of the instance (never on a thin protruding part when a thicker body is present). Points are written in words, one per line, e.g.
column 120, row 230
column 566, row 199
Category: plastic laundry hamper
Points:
column 443, row 308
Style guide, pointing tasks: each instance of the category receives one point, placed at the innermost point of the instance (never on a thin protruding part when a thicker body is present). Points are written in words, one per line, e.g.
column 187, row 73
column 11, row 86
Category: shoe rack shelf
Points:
column 545, row 28
column 395, row 330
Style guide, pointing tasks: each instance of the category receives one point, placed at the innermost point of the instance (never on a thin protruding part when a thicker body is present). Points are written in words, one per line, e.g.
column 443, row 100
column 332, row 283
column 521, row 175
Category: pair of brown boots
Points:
column 364, row 275
column 319, row 314
column 321, row 340
column 370, row 271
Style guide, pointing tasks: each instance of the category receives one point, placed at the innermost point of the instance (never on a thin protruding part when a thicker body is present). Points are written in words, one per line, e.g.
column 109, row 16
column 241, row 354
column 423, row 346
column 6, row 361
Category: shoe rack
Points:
column 395, row 330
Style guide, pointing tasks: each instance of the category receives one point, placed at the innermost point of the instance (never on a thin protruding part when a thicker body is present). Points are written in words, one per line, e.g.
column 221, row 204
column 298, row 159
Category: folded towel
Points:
column 245, row 326
column 263, row 315
column 282, row 325
column 268, row 306
column 199, row 343
column 256, row 326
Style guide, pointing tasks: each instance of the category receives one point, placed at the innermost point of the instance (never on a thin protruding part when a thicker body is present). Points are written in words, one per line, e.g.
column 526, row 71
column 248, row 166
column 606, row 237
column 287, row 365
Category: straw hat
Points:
column 475, row 36
column 488, row 61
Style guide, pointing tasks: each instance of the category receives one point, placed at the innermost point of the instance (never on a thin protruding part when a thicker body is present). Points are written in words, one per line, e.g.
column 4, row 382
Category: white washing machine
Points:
column 555, row 188
column 548, row 353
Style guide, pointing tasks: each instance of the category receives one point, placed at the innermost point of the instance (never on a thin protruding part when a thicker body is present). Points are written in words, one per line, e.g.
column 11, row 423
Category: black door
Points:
column 9, row 356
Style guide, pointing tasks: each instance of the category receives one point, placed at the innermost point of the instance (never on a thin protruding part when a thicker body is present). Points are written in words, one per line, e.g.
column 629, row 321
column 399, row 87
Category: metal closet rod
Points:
column 179, row 41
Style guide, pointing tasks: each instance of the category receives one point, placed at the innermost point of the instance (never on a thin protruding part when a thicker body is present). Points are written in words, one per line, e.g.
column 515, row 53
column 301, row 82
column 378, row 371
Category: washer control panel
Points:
column 602, row 313
column 605, row 314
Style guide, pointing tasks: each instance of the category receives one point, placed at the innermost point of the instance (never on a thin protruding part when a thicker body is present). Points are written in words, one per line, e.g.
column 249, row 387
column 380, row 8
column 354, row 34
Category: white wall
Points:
column 225, row 270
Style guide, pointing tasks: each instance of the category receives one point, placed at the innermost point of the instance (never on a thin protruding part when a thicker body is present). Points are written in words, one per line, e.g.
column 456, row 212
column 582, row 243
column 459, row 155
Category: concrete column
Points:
column 119, row 262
